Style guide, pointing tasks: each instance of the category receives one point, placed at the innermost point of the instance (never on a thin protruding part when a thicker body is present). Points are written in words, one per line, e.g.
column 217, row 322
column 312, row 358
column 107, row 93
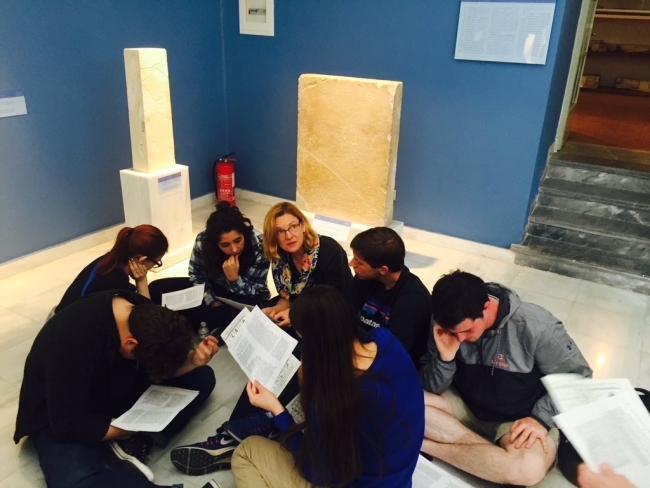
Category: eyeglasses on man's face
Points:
column 294, row 229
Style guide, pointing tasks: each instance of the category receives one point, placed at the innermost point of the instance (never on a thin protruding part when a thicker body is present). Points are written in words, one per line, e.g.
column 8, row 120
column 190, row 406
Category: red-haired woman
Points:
column 136, row 251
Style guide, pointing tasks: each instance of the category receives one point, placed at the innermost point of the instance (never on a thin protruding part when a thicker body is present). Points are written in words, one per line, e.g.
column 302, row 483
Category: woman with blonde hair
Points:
column 300, row 258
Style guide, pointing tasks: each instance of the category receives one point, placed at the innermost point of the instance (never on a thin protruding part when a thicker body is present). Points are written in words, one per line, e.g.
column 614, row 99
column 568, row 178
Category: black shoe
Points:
column 204, row 457
column 258, row 424
column 130, row 455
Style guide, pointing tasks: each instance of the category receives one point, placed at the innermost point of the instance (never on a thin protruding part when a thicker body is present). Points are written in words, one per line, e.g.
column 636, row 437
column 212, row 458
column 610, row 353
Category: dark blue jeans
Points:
column 81, row 465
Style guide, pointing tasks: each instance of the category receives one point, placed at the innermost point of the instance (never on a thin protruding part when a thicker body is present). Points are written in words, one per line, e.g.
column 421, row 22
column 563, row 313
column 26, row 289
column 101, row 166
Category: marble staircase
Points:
column 592, row 222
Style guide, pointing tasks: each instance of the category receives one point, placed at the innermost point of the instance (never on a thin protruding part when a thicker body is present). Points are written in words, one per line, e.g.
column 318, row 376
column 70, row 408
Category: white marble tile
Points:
column 646, row 334
column 15, row 328
column 9, row 393
column 616, row 328
column 612, row 299
column 548, row 283
column 29, row 283
column 608, row 360
column 12, row 361
column 37, row 307
column 610, row 326
column 644, row 371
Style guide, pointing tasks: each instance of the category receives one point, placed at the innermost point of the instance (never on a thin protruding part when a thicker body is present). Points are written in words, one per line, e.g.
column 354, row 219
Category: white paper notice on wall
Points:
column 12, row 103
column 506, row 31
column 169, row 183
column 257, row 17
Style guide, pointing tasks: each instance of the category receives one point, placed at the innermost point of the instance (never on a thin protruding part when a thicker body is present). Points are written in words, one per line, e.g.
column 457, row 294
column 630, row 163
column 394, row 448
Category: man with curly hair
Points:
column 88, row 365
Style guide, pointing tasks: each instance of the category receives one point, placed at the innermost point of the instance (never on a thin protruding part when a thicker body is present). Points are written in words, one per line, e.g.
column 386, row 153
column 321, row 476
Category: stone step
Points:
column 597, row 183
column 590, row 223
column 597, row 209
column 588, row 192
column 532, row 258
column 633, row 163
column 599, row 176
column 638, row 249
column 588, row 255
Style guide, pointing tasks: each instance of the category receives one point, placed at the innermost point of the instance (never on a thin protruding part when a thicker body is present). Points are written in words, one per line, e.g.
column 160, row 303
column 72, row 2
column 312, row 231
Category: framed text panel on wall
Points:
column 506, row 31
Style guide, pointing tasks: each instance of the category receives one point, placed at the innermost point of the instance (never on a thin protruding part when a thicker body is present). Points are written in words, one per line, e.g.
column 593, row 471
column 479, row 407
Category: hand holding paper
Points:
column 263, row 398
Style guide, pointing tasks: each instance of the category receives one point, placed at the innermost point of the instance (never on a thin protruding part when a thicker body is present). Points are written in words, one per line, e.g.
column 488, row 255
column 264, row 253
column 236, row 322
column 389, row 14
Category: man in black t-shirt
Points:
column 385, row 293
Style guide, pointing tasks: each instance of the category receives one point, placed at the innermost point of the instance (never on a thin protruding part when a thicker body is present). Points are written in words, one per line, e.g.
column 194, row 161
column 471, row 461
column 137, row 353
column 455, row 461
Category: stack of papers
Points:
column 262, row 349
column 605, row 421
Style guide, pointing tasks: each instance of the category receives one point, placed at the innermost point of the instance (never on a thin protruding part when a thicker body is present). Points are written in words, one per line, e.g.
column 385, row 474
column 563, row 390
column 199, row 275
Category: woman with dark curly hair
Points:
column 227, row 257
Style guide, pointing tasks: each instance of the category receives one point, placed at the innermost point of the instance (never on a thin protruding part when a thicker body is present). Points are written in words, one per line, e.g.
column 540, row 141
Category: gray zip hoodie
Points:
column 498, row 376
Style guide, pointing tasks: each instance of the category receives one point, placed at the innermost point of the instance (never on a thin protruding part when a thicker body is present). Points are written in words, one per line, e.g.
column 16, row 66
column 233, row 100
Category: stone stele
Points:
column 150, row 110
column 348, row 131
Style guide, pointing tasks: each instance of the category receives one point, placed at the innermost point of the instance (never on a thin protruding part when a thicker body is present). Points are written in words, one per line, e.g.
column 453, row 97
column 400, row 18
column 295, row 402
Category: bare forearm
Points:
column 142, row 287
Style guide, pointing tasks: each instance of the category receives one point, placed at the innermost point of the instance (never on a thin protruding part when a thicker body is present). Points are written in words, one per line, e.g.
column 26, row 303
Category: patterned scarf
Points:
column 282, row 272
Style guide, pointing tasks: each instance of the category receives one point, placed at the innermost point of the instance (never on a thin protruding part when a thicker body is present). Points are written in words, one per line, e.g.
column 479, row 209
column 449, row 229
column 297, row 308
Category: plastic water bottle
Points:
column 203, row 330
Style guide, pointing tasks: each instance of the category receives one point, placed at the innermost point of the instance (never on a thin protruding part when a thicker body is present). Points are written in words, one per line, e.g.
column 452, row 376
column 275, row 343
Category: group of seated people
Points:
column 388, row 370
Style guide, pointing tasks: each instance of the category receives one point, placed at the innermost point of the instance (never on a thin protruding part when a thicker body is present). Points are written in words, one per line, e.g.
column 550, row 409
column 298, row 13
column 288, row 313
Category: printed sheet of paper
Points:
column 262, row 349
column 184, row 299
column 155, row 409
column 234, row 304
column 428, row 475
column 294, row 407
column 569, row 391
column 613, row 430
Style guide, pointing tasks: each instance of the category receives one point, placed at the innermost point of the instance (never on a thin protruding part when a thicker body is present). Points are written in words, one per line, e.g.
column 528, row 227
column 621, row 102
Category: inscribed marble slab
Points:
column 348, row 133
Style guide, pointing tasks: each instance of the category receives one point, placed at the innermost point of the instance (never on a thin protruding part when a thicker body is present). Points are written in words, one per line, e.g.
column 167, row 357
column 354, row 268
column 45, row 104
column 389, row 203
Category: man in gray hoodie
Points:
column 487, row 411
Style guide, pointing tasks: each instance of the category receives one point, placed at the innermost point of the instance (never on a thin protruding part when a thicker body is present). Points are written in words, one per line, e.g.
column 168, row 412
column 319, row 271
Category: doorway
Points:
column 606, row 111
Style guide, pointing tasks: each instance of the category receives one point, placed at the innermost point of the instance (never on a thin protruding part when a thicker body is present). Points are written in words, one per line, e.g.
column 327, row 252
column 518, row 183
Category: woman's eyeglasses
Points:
column 156, row 264
column 293, row 229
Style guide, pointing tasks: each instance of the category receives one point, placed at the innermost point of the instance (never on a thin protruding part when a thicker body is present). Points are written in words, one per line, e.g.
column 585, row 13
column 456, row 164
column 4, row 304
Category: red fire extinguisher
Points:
column 224, row 179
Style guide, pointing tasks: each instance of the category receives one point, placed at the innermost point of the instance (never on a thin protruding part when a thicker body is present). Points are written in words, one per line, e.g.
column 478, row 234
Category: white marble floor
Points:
column 611, row 327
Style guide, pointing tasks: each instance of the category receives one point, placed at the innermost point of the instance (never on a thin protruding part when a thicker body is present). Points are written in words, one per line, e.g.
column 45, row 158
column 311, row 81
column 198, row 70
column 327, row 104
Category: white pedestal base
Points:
column 161, row 199
column 355, row 228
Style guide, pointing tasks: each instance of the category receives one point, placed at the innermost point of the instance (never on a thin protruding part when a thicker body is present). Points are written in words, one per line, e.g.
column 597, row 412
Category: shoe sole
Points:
column 196, row 461
column 130, row 463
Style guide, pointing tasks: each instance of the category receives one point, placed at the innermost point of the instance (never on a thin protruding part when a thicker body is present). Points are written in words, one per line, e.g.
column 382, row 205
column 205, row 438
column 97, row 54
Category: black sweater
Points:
column 405, row 310
column 115, row 280
column 75, row 380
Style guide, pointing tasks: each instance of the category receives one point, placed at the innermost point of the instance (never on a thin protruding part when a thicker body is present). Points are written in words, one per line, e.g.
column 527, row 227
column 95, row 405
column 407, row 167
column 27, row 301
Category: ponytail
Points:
column 144, row 240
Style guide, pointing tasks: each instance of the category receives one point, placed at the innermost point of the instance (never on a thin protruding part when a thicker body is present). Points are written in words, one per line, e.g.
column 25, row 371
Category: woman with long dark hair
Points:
column 362, row 402
column 228, row 257
column 136, row 251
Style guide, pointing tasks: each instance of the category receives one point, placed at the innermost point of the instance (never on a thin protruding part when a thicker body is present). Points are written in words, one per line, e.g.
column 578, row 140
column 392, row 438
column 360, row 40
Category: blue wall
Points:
column 471, row 132
column 60, row 163
column 473, row 139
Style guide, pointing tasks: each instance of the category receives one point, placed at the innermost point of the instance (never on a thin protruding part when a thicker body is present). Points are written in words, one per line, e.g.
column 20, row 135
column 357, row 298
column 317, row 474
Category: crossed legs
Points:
column 446, row 438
